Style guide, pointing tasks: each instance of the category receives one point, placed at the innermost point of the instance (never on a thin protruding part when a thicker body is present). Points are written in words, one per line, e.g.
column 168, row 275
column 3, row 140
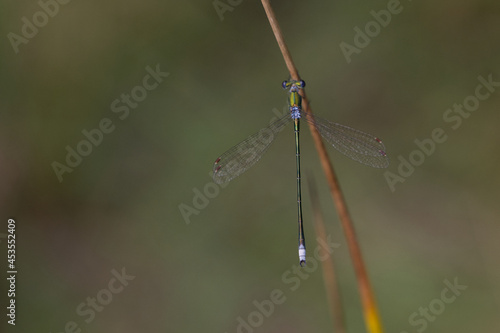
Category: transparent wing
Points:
column 362, row 147
column 244, row 155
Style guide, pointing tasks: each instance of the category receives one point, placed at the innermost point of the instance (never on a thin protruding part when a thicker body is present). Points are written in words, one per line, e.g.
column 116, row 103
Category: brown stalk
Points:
column 372, row 318
column 331, row 284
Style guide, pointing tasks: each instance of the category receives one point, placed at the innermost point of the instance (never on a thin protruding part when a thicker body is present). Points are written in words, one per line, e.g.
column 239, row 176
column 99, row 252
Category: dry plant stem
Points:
column 279, row 38
column 372, row 318
column 329, row 277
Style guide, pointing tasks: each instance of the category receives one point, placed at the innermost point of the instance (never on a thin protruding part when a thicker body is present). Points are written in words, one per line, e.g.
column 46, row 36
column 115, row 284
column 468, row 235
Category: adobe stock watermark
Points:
column 88, row 309
column 453, row 117
column 420, row 320
column 120, row 106
column 201, row 198
column 225, row 6
column 291, row 279
column 30, row 28
column 372, row 29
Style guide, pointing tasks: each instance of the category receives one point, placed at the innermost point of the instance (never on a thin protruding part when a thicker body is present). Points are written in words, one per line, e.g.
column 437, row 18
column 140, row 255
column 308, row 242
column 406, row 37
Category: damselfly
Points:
column 357, row 145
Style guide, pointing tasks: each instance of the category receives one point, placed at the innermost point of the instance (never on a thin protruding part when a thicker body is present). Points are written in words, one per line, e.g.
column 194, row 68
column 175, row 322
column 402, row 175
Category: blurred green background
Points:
column 119, row 208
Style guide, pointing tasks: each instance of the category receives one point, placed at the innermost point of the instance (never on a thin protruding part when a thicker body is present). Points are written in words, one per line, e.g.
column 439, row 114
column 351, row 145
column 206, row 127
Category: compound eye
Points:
column 302, row 83
column 284, row 84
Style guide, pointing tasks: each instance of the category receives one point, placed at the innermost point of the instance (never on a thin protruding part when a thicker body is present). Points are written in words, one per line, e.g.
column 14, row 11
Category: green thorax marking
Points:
column 295, row 99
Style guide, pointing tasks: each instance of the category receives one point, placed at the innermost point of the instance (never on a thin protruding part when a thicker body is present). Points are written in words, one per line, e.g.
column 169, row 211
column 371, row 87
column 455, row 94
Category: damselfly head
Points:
column 293, row 85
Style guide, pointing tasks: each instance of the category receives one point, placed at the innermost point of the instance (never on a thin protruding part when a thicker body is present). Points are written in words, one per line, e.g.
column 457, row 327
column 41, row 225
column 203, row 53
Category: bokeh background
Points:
column 120, row 207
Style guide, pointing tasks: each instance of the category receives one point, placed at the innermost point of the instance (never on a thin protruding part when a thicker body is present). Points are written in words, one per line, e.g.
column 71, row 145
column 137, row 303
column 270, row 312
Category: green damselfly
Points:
column 357, row 145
